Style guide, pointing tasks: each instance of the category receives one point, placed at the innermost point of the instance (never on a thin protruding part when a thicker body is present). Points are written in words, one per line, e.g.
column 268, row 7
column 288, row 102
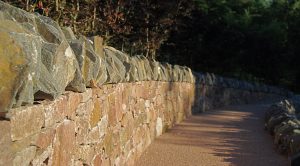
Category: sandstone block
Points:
column 96, row 113
column 82, row 129
column 24, row 157
column 97, row 161
column 43, row 158
column 112, row 114
column 64, row 143
column 27, row 122
column 94, row 136
column 85, row 153
column 52, row 112
column 74, row 100
column 108, row 143
column 103, row 125
column 85, row 109
column 45, row 138
column 6, row 156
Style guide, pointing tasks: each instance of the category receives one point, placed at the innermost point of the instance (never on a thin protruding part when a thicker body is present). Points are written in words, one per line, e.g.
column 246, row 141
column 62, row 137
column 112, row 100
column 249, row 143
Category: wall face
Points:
column 108, row 125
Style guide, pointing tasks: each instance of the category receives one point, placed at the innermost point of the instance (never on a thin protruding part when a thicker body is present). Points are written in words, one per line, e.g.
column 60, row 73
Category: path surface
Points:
column 230, row 136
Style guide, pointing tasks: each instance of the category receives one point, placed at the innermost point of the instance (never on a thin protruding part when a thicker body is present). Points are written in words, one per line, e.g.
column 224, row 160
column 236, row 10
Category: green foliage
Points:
column 249, row 39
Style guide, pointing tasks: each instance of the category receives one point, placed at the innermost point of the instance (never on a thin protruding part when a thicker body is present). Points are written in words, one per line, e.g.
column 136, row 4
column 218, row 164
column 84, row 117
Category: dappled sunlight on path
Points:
column 228, row 136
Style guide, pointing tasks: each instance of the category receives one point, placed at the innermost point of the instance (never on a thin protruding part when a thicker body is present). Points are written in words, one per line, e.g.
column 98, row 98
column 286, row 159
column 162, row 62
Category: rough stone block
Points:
column 64, row 144
column 45, row 138
column 93, row 136
column 82, row 129
column 43, row 158
column 27, row 122
column 85, row 153
column 85, row 109
column 108, row 143
column 96, row 113
column 97, row 161
column 112, row 114
column 24, row 157
column 103, row 125
column 74, row 100
column 6, row 154
column 52, row 113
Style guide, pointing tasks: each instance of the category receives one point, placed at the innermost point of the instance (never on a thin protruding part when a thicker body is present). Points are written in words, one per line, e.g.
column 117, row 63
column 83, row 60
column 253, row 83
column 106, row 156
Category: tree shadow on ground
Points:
column 234, row 134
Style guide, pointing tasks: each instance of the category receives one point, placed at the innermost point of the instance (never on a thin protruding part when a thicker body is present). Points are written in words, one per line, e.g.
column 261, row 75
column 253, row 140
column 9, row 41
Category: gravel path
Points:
column 229, row 136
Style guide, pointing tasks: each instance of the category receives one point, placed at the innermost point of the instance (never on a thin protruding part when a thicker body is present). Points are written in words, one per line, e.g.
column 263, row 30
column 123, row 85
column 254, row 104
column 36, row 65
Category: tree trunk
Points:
column 27, row 5
column 94, row 18
column 56, row 5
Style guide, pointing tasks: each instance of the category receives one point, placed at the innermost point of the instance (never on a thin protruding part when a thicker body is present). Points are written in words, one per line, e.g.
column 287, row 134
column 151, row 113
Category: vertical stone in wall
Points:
column 64, row 143
column 115, row 69
column 169, row 68
column 97, row 43
column 134, row 70
column 148, row 69
column 159, row 126
column 68, row 33
column 89, row 61
column 165, row 72
column 154, row 69
column 96, row 113
column 160, row 71
column 125, row 59
column 6, row 152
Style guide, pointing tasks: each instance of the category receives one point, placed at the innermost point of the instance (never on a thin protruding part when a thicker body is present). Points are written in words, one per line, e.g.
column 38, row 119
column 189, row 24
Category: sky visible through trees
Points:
column 255, row 40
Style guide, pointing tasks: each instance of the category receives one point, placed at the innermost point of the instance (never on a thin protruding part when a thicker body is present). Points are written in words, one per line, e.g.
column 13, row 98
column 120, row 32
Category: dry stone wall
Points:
column 215, row 91
column 111, row 125
column 72, row 101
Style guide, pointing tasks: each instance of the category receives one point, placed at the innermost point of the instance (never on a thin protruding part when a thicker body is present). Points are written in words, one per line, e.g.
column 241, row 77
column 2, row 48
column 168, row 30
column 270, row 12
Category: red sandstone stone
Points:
column 97, row 92
column 45, row 138
column 52, row 113
column 86, row 95
column 93, row 136
column 64, row 143
column 118, row 107
column 96, row 113
column 85, row 109
column 108, row 143
column 97, row 160
column 106, row 161
column 85, row 153
column 82, row 128
column 62, row 104
column 74, row 100
column 27, row 122
column 6, row 154
column 25, row 156
column 112, row 116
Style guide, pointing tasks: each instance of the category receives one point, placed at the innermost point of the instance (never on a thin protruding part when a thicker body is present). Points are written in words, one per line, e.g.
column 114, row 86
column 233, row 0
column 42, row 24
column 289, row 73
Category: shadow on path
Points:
column 228, row 136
